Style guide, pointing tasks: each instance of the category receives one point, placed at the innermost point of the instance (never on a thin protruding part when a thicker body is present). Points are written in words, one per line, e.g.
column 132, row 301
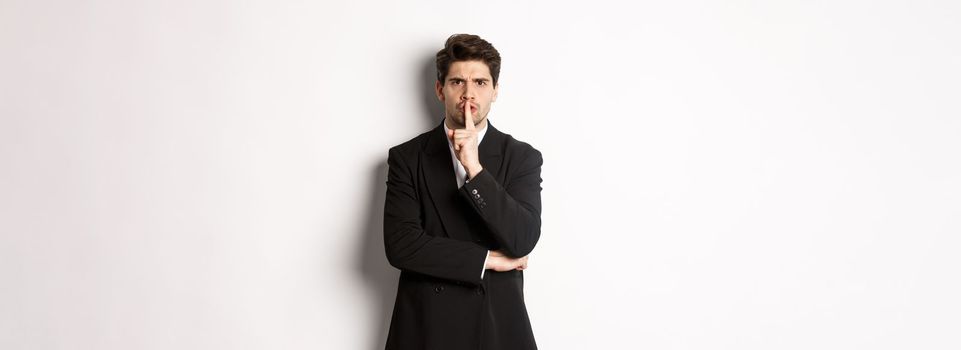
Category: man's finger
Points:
column 468, row 118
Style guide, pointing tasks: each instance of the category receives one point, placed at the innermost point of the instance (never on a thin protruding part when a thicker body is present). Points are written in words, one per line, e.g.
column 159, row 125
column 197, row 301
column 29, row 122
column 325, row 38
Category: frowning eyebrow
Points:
column 476, row 80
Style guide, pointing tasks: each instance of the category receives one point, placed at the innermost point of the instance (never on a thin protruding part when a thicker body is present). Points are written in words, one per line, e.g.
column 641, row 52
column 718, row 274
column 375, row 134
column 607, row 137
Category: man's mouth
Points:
column 473, row 108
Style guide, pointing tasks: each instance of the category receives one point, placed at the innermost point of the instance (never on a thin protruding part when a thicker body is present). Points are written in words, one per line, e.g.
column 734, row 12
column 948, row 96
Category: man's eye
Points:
column 481, row 83
column 455, row 82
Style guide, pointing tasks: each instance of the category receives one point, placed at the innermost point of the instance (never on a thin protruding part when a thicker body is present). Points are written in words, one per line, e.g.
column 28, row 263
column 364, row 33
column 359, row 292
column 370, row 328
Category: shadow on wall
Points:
column 377, row 273
column 433, row 109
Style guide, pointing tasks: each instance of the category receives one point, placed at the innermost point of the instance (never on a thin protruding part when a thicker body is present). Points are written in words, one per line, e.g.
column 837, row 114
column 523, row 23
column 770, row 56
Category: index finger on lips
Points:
column 468, row 118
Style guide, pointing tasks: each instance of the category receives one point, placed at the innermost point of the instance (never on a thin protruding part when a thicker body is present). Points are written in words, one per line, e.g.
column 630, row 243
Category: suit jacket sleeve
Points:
column 512, row 211
column 409, row 246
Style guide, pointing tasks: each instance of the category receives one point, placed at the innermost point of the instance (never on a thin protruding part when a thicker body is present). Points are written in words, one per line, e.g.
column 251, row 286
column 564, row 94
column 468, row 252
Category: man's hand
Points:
column 497, row 261
column 465, row 143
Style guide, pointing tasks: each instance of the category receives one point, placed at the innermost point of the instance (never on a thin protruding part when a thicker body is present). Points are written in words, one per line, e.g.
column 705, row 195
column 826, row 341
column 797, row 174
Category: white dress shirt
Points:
column 461, row 174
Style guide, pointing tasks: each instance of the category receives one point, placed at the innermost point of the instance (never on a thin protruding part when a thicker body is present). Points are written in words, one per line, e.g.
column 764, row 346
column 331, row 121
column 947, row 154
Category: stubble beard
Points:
column 459, row 120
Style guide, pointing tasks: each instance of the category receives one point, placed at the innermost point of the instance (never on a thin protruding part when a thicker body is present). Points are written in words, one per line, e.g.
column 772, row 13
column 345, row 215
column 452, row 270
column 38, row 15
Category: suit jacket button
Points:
column 476, row 196
column 474, row 191
column 438, row 289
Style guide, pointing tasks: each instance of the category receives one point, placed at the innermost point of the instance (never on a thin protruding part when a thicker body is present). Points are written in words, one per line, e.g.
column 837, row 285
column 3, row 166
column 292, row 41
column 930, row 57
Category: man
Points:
column 461, row 215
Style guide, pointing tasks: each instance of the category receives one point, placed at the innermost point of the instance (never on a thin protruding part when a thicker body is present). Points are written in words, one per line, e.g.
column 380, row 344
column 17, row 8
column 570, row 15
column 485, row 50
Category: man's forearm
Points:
column 513, row 216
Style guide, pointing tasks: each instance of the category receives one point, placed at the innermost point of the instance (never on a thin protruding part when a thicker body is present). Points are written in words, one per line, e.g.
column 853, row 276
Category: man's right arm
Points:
column 407, row 244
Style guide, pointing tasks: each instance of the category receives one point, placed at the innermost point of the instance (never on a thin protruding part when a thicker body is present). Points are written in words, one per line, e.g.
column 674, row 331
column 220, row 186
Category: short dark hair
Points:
column 467, row 47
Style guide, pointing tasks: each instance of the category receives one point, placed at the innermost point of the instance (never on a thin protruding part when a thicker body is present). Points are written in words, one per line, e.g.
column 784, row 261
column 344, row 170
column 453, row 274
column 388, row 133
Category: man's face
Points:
column 467, row 82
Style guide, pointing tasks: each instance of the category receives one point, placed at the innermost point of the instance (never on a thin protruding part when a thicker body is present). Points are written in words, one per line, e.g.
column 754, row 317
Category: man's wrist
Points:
column 473, row 171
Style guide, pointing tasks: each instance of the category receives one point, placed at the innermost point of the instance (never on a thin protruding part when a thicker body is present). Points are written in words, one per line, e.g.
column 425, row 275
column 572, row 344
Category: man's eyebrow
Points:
column 460, row 78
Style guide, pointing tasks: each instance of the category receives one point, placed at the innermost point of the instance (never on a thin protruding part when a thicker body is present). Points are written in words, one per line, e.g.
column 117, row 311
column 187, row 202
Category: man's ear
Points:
column 439, row 90
column 494, row 98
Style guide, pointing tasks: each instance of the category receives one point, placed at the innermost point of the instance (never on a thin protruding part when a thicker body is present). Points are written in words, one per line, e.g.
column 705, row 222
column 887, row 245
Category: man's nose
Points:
column 468, row 92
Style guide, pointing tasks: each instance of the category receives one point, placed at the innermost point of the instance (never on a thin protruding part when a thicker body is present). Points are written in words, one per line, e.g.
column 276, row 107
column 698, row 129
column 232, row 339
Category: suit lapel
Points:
column 492, row 150
column 442, row 186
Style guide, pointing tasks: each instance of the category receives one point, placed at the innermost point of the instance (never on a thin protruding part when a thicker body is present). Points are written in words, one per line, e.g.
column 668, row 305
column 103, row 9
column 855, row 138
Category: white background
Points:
column 718, row 175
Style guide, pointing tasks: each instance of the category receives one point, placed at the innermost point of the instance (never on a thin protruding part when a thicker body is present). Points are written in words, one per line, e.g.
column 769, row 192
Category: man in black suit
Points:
column 462, row 213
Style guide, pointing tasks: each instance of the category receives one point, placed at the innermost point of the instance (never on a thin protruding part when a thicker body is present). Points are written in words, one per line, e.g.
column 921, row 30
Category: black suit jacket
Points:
column 439, row 235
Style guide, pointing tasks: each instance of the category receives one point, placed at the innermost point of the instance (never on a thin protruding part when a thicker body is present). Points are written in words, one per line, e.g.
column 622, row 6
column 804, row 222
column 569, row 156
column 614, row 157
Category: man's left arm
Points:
column 513, row 213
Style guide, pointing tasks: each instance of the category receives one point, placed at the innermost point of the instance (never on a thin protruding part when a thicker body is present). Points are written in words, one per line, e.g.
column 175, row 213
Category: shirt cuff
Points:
column 484, row 268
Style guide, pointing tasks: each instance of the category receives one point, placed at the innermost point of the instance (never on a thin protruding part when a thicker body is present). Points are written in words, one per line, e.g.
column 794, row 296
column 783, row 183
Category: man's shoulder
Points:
column 412, row 146
column 518, row 148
